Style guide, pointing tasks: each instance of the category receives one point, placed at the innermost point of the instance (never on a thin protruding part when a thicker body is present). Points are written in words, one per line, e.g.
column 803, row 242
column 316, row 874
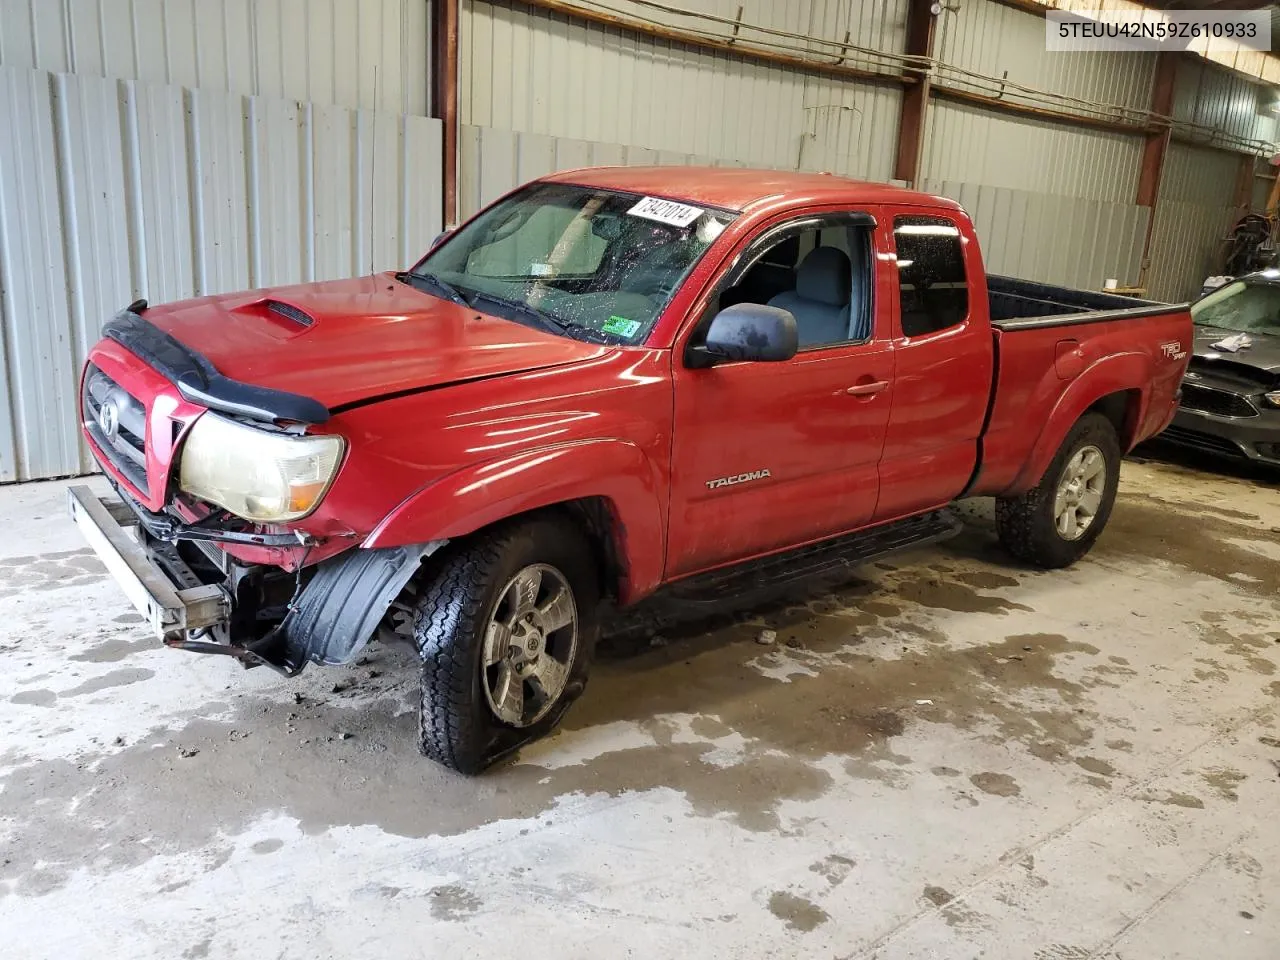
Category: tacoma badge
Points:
column 740, row 478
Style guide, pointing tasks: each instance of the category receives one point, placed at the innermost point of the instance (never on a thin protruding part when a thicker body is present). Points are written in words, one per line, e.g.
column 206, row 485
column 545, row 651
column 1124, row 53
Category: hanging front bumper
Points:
column 162, row 589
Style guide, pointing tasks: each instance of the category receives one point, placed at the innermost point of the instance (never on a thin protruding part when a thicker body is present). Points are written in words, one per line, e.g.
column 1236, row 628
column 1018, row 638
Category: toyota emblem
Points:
column 109, row 419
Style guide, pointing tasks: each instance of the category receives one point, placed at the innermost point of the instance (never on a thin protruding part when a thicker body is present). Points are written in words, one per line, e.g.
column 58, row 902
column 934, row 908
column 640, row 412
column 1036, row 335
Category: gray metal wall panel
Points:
column 879, row 25
column 1216, row 98
column 1000, row 41
column 1053, row 239
column 529, row 71
column 1194, row 212
column 114, row 190
column 35, row 439
column 96, row 210
column 368, row 54
column 969, row 144
column 493, row 161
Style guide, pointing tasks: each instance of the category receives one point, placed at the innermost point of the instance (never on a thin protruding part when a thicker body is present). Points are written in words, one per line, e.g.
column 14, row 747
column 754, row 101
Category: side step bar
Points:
column 828, row 556
column 731, row 588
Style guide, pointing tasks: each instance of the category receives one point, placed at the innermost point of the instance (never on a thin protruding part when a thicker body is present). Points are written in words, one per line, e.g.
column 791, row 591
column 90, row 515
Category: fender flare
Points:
column 470, row 499
column 1117, row 373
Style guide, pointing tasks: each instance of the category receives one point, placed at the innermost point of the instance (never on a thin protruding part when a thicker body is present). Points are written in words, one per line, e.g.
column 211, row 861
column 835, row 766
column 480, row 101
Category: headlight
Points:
column 1272, row 398
column 268, row 477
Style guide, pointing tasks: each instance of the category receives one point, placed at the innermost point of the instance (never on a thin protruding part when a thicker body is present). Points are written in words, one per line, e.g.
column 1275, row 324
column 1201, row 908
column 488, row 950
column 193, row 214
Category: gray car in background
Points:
column 1231, row 394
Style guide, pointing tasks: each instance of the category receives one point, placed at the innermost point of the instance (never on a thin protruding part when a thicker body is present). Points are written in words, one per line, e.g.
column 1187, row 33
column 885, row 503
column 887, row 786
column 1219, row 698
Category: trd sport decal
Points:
column 740, row 478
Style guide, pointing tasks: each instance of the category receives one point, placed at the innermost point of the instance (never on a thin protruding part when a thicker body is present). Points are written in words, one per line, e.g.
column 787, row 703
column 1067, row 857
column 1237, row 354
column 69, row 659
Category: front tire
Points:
column 1056, row 522
column 505, row 626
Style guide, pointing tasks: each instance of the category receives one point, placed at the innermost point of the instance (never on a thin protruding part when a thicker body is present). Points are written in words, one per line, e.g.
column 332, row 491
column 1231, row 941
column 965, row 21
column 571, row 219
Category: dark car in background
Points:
column 1231, row 394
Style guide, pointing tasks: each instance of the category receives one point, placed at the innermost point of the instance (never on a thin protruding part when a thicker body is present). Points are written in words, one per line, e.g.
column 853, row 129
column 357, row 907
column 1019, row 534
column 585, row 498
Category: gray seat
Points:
column 820, row 301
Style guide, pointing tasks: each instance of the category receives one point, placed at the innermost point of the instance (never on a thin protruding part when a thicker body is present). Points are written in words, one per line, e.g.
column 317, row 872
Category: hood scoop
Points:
column 289, row 312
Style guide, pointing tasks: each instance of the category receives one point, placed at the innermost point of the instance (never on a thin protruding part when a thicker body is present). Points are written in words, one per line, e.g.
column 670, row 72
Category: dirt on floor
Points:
column 1069, row 763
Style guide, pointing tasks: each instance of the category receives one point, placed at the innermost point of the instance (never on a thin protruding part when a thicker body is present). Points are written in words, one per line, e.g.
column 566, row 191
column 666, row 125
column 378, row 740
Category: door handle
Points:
column 867, row 389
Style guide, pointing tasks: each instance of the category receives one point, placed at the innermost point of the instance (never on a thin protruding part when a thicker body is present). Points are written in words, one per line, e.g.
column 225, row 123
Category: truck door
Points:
column 771, row 455
column 944, row 357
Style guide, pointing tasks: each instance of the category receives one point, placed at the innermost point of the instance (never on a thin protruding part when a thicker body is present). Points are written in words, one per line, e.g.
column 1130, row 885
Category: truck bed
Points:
column 1026, row 303
column 1048, row 340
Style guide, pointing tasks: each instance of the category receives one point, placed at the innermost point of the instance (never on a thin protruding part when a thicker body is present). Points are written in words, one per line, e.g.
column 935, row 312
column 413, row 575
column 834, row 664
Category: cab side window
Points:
column 821, row 273
column 932, row 288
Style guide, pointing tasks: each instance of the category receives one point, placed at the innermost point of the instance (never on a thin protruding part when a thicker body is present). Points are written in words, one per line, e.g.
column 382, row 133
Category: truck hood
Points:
column 1259, row 351
column 350, row 340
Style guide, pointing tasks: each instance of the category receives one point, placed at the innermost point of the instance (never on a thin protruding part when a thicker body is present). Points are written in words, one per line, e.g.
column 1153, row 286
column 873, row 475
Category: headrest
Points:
column 825, row 276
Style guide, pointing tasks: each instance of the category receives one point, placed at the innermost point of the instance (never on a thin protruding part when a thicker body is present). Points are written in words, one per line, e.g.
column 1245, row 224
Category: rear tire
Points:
column 484, row 691
column 1056, row 522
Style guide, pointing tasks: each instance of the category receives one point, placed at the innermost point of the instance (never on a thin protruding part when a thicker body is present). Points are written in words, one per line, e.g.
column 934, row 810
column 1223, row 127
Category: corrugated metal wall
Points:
column 1193, row 215
column 972, row 145
column 878, row 24
column 1215, row 98
column 361, row 54
column 1006, row 43
column 112, row 190
column 1053, row 239
column 530, row 71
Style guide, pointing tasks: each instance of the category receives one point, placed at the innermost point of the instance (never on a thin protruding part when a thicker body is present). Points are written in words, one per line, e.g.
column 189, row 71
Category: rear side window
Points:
column 932, row 288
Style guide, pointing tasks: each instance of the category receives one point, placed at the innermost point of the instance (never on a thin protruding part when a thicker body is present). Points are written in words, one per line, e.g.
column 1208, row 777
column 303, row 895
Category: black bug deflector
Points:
column 200, row 382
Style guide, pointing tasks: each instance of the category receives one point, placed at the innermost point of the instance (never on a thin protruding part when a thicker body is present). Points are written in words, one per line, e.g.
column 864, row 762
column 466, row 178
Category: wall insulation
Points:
column 112, row 190
column 360, row 54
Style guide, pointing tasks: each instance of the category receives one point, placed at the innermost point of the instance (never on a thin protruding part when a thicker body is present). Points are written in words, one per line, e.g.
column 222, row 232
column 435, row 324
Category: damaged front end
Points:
column 197, row 597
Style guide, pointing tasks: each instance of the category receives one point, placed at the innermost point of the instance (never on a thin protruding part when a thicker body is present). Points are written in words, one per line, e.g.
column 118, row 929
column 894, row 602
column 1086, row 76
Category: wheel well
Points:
column 1121, row 408
column 596, row 518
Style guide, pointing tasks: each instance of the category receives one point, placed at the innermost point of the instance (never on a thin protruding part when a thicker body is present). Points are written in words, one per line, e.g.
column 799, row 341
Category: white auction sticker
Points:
column 666, row 211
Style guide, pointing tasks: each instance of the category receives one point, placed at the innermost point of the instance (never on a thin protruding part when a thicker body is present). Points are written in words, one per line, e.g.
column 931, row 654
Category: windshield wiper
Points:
column 545, row 320
column 448, row 289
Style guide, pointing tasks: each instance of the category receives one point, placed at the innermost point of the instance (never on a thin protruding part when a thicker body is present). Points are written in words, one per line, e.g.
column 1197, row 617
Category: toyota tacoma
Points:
column 608, row 383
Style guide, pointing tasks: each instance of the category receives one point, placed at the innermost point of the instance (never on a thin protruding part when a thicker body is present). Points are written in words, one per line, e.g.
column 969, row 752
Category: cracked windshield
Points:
column 587, row 263
column 1243, row 307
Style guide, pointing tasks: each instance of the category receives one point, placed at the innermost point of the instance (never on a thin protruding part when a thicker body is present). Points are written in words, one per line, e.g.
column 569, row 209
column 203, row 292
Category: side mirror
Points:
column 750, row 331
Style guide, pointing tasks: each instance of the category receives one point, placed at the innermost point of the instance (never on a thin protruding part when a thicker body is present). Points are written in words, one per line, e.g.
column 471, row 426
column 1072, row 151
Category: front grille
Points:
column 1201, row 441
column 1220, row 403
column 117, row 422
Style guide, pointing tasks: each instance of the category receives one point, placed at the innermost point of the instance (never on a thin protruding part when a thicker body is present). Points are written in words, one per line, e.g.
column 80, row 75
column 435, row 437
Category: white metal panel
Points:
column 1217, row 99
column 1003, row 42
column 167, row 242
column 1193, row 214
column 221, row 191
column 111, row 190
column 529, row 71
column 368, row 54
column 966, row 143
column 1053, row 239
column 334, row 176
column 879, row 25
column 422, row 208
column 278, row 189
column 95, row 214
column 38, row 436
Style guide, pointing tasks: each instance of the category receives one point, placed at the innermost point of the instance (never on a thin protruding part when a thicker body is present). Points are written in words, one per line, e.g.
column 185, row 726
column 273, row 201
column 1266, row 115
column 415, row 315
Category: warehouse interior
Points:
column 942, row 753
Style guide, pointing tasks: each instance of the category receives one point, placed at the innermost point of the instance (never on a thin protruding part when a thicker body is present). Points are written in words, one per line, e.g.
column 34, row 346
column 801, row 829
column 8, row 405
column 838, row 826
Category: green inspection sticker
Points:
column 621, row 327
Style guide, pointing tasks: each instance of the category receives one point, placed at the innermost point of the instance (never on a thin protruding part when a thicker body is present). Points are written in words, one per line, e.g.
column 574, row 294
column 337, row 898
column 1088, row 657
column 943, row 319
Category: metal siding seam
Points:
column 35, row 296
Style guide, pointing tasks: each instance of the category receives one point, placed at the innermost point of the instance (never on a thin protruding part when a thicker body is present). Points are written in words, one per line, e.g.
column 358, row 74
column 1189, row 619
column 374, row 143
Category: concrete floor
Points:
column 949, row 757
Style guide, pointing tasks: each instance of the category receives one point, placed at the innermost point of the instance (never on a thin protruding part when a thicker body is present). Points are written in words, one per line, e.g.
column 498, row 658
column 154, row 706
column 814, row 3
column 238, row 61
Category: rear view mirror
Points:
column 440, row 238
column 751, row 331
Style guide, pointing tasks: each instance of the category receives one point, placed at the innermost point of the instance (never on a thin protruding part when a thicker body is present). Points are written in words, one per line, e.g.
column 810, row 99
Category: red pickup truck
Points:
column 610, row 381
